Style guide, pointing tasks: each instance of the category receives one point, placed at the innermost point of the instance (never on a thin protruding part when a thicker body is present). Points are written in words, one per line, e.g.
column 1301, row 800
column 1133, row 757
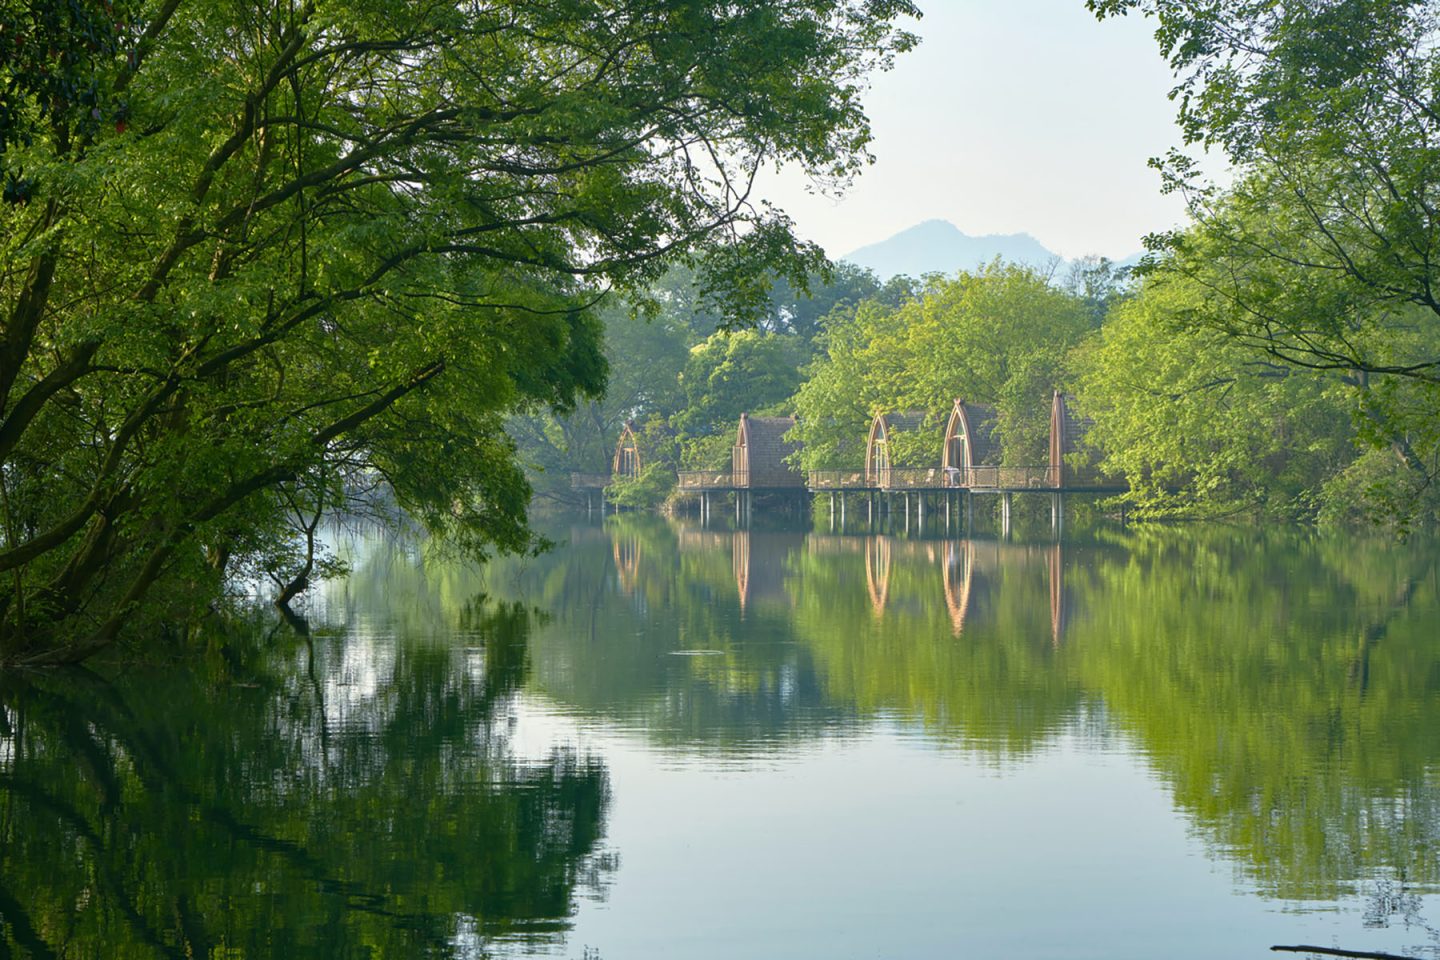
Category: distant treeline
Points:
column 1199, row 422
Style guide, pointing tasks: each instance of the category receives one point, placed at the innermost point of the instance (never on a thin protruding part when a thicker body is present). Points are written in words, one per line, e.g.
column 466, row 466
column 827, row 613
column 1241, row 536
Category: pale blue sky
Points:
column 1012, row 116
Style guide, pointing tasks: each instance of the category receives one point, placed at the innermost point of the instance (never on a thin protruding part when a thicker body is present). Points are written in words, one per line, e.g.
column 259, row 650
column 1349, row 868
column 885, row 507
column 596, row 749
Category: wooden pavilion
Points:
column 969, row 442
column 885, row 462
column 626, row 462
column 758, row 460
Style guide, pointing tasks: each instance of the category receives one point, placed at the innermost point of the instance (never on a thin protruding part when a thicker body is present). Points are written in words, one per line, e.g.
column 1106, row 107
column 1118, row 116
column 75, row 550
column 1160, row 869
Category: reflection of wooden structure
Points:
column 758, row 459
column 971, row 570
column 740, row 564
column 626, row 462
column 877, row 572
column 1055, row 563
column 959, row 578
column 628, row 551
column 760, row 562
column 885, row 455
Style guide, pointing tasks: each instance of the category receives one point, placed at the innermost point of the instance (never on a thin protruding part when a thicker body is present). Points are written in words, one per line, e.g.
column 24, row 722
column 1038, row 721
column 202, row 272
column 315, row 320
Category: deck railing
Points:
column 706, row 480
column 938, row 478
column 770, row 480
column 1008, row 478
column 984, row 477
column 910, row 478
column 838, row 480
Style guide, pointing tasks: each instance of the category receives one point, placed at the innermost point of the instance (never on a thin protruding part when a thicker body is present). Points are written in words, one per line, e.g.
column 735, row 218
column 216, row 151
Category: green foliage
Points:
column 1322, row 255
column 999, row 336
column 1197, row 423
column 727, row 374
column 690, row 366
column 730, row 374
column 352, row 239
column 644, row 359
column 648, row 490
column 711, row 452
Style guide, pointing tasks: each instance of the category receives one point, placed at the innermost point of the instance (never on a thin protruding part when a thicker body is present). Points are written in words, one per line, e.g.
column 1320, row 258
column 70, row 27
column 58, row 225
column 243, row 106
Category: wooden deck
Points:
column 727, row 481
column 982, row 479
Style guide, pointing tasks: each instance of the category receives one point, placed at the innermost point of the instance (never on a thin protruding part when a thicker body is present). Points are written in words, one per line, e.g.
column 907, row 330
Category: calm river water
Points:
column 660, row 741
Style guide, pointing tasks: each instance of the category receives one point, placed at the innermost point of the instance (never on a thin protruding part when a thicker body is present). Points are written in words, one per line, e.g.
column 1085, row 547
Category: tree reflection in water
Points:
column 360, row 794
column 1284, row 685
column 292, row 802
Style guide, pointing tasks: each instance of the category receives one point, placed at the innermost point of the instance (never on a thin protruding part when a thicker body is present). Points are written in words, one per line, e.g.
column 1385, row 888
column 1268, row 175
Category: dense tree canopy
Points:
column 1322, row 255
column 260, row 255
column 684, row 379
column 1199, row 424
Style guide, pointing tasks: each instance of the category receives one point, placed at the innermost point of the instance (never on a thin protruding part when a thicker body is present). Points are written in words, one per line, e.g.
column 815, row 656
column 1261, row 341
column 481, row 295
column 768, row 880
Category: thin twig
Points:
column 1334, row 952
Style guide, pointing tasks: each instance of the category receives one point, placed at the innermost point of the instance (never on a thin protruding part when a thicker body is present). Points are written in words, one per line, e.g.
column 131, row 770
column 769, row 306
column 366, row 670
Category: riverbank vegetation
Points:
column 262, row 265
column 256, row 260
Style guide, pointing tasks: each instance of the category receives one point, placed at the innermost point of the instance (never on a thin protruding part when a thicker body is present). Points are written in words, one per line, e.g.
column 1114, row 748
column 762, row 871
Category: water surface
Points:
column 664, row 741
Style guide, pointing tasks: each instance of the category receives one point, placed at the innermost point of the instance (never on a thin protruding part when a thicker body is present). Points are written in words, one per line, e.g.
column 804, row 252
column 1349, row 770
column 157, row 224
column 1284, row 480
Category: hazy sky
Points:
column 1012, row 116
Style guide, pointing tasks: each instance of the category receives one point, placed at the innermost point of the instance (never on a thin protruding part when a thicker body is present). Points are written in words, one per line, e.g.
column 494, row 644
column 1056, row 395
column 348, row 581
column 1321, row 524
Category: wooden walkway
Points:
column 982, row 479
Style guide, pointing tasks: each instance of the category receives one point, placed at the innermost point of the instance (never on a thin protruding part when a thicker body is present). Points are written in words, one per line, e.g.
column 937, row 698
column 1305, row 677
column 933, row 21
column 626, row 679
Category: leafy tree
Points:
column 729, row 374
column 1323, row 254
column 644, row 359
column 266, row 239
column 840, row 393
column 802, row 311
column 660, row 458
column 998, row 336
column 1100, row 283
column 654, row 373
column 1198, row 424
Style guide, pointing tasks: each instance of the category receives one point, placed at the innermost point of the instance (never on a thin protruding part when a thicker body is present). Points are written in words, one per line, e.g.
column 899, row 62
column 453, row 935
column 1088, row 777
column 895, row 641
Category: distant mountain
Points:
column 1131, row 261
column 937, row 246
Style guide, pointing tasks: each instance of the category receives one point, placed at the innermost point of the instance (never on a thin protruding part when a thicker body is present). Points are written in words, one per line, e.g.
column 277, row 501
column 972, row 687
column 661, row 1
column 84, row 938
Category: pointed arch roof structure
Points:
column 881, row 456
column 626, row 462
column 759, row 457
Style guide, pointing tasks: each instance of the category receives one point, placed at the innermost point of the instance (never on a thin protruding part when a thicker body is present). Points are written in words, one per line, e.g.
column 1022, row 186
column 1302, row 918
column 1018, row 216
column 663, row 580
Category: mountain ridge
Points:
column 938, row 246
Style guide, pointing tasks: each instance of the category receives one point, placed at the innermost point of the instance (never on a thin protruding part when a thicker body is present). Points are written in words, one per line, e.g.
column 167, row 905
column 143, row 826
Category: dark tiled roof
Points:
column 767, row 448
column 904, row 421
column 984, row 445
